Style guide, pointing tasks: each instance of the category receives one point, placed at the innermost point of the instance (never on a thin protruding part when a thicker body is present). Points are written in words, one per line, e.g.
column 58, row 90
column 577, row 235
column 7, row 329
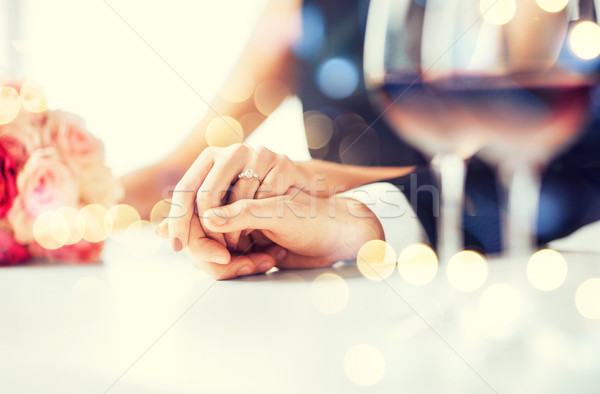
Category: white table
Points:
column 156, row 325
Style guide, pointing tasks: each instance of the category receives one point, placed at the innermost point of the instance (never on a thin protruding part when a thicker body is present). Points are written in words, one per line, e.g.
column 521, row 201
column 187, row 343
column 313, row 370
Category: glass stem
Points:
column 450, row 171
column 522, row 184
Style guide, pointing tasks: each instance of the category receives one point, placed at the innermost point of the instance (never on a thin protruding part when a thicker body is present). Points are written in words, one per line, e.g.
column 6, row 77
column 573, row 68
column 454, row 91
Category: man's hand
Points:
column 295, row 230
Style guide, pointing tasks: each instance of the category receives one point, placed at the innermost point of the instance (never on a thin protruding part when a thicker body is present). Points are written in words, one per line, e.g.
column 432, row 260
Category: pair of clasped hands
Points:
column 233, row 226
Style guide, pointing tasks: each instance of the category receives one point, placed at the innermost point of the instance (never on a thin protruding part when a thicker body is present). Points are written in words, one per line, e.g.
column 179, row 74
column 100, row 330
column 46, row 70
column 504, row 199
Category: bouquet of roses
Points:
column 48, row 161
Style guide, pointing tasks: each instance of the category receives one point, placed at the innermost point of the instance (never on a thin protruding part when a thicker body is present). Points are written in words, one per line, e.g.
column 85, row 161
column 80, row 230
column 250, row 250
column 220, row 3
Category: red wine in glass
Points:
column 534, row 114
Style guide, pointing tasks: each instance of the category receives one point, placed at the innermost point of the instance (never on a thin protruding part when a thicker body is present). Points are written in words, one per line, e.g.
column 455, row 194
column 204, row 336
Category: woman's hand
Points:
column 208, row 184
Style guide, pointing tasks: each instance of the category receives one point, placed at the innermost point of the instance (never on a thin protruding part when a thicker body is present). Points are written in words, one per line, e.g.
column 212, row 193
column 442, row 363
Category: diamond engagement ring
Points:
column 249, row 174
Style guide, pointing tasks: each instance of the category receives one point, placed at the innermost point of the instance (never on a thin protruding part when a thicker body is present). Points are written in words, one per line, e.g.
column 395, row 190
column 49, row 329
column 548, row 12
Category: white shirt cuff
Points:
column 401, row 226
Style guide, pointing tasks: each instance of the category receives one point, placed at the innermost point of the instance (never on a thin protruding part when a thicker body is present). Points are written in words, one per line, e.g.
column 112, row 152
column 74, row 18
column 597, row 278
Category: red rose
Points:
column 10, row 251
column 8, row 183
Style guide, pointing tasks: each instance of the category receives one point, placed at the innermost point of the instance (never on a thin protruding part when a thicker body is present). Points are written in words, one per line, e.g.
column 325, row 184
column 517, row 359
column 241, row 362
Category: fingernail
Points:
column 219, row 259
column 264, row 267
column 176, row 244
column 281, row 253
column 218, row 216
column 245, row 270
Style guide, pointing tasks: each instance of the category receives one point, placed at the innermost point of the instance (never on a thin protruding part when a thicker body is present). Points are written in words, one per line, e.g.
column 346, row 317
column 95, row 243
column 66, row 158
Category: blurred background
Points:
column 90, row 61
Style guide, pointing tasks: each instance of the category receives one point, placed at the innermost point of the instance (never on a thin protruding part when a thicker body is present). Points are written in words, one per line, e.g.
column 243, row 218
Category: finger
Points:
column 278, row 253
column 162, row 230
column 201, row 248
column 245, row 188
column 285, row 259
column 259, row 238
column 268, row 214
column 297, row 261
column 184, row 197
column 279, row 179
column 242, row 265
column 244, row 243
column 218, row 181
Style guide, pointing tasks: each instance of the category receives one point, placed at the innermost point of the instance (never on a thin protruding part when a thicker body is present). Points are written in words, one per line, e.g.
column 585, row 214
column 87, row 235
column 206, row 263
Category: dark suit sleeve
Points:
column 570, row 196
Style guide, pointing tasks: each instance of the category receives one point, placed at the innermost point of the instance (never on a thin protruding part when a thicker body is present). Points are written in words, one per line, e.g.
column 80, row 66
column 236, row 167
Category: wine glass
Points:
column 500, row 77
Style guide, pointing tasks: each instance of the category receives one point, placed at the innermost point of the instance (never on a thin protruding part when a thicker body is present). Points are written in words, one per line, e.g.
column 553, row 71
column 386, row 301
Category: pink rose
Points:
column 11, row 252
column 67, row 132
column 81, row 252
column 45, row 183
column 21, row 136
column 8, row 183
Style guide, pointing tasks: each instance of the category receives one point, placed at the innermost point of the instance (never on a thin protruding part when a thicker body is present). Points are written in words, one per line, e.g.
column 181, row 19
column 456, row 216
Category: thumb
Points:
column 264, row 214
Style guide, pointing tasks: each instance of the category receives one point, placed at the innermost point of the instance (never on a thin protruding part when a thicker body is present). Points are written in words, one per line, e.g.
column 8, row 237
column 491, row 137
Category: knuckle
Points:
column 264, row 153
column 185, row 185
column 208, row 153
column 283, row 163
column 238, row 148
column 286, row 162
column 279, row 158
column 236, row 152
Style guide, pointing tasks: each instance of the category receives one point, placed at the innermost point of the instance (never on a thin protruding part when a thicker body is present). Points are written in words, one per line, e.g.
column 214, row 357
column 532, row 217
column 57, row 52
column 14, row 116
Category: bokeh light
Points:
column 313, row 31
column 364, row 365
column 497, row 12
column 70, row 216
column 224, row 131
column 500, row 305
column 319, row 129
column 376, row 260
column 584, row 40
column 337, row 78
column 50, row 230
column 91, row 222
column 360, row 145
column 346, row 120
column 587, row 298
column 546, row 270
column 33, row 97
column 239, row 87
column 160, row 211
column 118, row 219
column 10, row 104
column 329, row 293
column 417, row 264
column 268, row 95
column 467, row 271
column 552, row 5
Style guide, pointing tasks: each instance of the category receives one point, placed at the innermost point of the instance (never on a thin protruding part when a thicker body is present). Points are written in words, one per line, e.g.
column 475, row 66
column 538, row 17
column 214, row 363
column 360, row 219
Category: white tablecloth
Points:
column 156, row 325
